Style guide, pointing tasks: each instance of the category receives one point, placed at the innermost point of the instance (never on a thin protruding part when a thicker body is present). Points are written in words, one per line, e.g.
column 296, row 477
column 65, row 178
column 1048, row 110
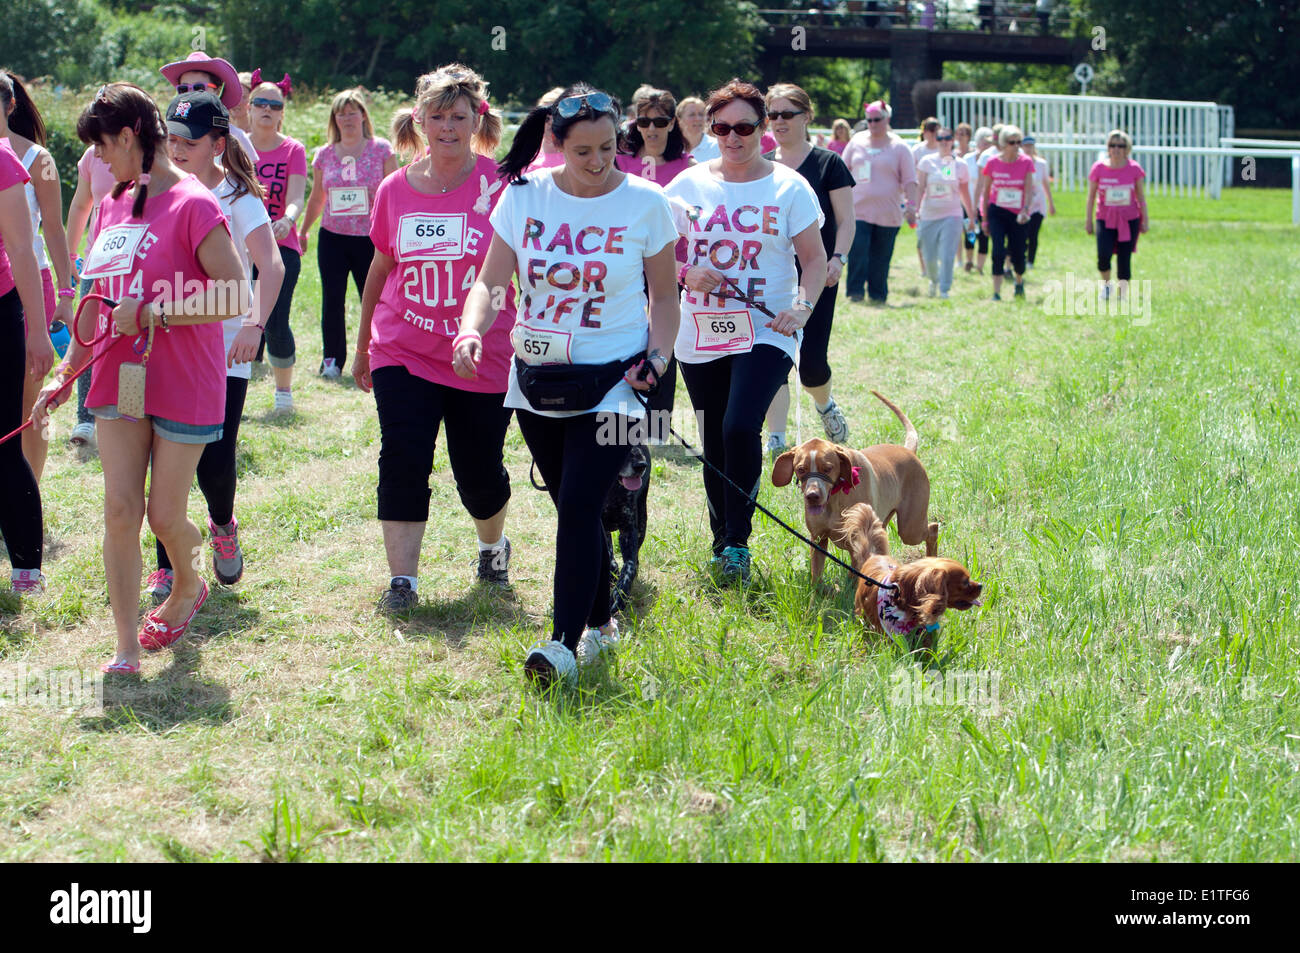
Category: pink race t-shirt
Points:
column 439, row 243
column 155, row 258
column 12, row 175
column 1007, row 186
column 660, row 174
column 837, row 146
column 100, row 176
column 1115, row 187
column 273, row 170
column 880, row 174
column 944, row 180
column 350, row 185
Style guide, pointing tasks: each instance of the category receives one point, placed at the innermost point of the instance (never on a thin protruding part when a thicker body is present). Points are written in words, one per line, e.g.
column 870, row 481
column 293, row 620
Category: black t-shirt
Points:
column 825, row 172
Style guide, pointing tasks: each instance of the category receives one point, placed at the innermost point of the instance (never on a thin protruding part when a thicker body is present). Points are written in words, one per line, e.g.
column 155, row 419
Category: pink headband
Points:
column 285, row 85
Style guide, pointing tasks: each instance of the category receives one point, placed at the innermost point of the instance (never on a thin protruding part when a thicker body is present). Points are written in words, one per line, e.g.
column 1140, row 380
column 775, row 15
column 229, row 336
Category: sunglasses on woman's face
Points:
column 943, row 138
column 196, row 87
column 597, row 102
column 875, row 119
column 659, row 122
column 784, row 114
column 273, row 104
column 724, row 129
column 1116, row 145
column 1013, row 142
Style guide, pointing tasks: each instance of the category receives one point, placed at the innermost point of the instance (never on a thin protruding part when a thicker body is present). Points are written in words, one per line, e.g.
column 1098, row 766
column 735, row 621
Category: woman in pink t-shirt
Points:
column 1005, row 193
column 25, row 352
column 431, row 233
column 22, row 125
column 348, row 170
column 1117, row 182
column 282, row 170
column 943, row 181
column 156, row 242
column 841, row 133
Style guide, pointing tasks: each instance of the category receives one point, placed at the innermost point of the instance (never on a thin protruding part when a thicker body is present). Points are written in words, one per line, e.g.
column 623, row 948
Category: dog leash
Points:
column 763, row 509
column 76, row 330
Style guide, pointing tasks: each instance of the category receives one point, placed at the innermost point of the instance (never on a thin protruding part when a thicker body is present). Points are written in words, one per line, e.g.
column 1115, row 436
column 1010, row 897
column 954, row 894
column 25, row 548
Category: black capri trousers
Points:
column 1108, row 244
column 411, row 409
column 1008, row 239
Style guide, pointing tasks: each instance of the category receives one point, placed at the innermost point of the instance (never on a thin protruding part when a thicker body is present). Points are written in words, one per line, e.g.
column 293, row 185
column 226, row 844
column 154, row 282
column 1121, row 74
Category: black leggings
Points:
column 411, row 409
column 661, row 404
column 578, row 469
column 731, row 396
column 20, row 497
column 814, row 367
column 1008, row 239
column 1031, row 236
column 216, row 470
column 1108, row 244
column 278, row 340
column 338, row 256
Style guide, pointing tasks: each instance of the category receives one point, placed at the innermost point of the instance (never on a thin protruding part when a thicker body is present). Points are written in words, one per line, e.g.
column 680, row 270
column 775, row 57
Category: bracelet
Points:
column 681, row 274
column 63, row 371
column 465, row 334
column 67, row 293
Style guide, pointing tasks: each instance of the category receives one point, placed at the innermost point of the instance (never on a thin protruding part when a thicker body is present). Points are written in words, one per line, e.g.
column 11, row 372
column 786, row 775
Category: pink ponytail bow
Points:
column 483, row 108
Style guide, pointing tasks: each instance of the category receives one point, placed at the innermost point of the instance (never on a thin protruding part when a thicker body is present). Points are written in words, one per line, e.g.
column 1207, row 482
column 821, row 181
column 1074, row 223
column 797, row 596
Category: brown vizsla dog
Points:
column 926, row 587
column 833, row 478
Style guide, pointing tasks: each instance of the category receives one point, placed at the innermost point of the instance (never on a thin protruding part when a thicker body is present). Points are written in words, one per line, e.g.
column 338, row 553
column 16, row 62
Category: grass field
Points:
column 1126, row 488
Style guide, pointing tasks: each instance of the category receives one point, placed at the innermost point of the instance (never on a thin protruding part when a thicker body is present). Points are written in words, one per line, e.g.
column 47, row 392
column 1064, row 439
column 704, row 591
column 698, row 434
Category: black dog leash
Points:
column 759, row 506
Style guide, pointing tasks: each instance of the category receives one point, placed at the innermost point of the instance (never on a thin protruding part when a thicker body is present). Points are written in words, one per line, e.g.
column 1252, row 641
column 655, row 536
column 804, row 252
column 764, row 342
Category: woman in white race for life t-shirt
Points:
column 587, row 243
column 197, row 140
column 749, row 218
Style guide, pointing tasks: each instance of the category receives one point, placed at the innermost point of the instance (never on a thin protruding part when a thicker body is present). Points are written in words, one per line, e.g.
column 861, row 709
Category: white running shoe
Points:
column 330, row 370
column 775, row 445
column 833, row 422
column 283, row 402
column 596, row 644
column 83, row 435
column 550, row 661
column 934, row 288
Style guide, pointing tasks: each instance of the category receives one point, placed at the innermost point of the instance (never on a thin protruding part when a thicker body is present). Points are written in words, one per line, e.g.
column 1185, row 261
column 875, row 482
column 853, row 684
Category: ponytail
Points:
column 406, row 138
column 524, row 149
column 238, row 167
column 488, row 136
column 25, row 120
column 142, row 184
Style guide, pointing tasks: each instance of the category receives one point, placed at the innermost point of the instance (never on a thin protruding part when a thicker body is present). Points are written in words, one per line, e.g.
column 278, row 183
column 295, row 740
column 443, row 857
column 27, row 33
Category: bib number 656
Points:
column 431, row 230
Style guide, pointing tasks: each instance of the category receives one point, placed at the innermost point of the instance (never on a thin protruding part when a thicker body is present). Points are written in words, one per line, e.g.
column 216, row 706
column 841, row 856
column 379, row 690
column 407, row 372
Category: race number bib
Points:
column 862, row 171
column 424, row 237
column 1009, row 197
column 724, row 332
column 938, row 188
column 349, row 200
column 1119, row 194
column 542, row 345
column 113, row 251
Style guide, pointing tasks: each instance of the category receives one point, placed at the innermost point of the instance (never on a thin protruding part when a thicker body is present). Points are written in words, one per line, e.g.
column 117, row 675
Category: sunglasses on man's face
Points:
column 784, row 114
column 943, row 138
column 875, row 119
column 273, row 104
column 724, row 129
column 570, row 106
column 197, row 87
column 659, row 122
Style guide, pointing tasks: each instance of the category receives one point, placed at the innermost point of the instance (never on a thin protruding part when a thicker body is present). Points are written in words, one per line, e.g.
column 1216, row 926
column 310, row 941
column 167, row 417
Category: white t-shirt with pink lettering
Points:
column 581, row 264
column 745, row 230
column 944, row 180
column 245, row 215
column 155, row 258
column 439, row 243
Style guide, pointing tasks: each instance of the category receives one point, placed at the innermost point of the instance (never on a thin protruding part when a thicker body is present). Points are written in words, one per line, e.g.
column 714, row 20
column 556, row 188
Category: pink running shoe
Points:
column 28, row 582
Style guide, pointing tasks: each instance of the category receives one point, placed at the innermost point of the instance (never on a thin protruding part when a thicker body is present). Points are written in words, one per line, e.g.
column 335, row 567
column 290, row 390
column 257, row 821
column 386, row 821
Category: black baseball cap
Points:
column 194, row 115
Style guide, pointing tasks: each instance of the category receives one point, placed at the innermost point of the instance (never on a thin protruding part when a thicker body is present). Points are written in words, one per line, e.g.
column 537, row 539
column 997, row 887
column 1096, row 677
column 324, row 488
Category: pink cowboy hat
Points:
column 231, row 91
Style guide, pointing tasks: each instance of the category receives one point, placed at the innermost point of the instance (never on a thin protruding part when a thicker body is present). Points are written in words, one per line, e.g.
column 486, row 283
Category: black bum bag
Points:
column 570, row 387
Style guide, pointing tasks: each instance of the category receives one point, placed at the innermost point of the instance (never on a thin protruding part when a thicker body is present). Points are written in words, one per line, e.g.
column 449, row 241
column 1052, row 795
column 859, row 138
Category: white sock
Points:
column 413, row 580
column 492, row 547
column 822, row 408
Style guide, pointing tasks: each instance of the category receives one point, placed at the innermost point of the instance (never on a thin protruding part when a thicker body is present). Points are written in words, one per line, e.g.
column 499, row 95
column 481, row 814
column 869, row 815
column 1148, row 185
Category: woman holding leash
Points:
column 431, row 233
column 159, row 395
column 742, row 303
column 790, row 111
column 25, row 352
column 588, row 242
column 22, row 125
column 348, row 168
column 198, row 136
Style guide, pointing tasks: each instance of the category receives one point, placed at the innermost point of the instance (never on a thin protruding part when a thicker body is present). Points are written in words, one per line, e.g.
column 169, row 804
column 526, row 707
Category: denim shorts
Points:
column 172, row 430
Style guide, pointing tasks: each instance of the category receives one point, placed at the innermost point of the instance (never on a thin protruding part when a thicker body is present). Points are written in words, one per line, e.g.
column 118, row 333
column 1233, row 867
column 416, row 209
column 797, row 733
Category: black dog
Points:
column 625, row 512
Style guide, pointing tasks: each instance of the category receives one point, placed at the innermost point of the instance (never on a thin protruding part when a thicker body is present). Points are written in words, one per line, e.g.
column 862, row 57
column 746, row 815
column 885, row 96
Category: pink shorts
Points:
column 47, row 283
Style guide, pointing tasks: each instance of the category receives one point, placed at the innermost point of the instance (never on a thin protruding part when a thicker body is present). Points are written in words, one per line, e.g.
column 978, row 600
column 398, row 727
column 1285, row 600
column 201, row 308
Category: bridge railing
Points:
column 942, row 15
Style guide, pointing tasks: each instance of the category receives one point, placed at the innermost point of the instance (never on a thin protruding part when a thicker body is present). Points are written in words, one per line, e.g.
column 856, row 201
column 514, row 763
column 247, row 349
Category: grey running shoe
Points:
column 494, row 566
column 227, row 557
column 400, row 597
column 159, row 585
column 836, row 427
column 550, row 662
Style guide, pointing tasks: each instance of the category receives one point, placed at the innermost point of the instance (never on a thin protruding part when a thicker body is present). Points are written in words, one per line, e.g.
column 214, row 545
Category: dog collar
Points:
column 894, row 619
column 845, row 485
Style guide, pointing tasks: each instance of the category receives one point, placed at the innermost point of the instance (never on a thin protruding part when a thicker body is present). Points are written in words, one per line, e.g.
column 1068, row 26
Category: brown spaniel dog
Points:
column 832, row 478
column 927, row 587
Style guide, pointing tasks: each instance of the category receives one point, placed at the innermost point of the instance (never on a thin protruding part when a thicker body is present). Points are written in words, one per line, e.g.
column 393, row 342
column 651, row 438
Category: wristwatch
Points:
column 805, row 304
column 840, row 256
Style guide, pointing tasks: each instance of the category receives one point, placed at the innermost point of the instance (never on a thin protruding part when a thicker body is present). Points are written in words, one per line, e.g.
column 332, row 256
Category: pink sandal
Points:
column 120, row 668
column 157, row 634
